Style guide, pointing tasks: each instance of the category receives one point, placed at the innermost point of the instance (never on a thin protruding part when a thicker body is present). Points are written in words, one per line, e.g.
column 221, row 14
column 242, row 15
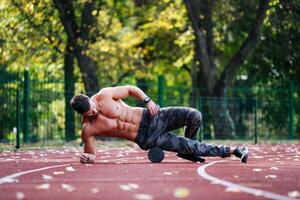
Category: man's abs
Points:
column 118, row 120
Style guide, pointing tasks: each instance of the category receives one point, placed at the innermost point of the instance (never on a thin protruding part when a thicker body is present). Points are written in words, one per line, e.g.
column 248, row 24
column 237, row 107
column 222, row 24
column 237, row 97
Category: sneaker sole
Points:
column 244, row 157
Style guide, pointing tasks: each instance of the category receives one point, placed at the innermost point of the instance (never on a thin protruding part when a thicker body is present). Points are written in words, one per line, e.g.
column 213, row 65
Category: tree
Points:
column 208, row 72
column 276, row 64
column 38, row 19
column 79, row 37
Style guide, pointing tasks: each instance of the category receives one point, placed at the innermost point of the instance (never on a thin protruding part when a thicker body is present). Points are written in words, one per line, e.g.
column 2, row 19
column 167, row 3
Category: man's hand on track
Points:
column 87, row 158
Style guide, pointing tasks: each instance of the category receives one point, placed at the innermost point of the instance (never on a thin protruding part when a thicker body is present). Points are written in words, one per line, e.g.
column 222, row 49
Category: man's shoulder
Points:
column 103, row 93
column 87, row 129
column 86, row 126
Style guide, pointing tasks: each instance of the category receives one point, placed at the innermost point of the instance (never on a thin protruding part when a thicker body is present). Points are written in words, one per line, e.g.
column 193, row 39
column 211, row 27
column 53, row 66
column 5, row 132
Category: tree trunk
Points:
column 204, row 54
column 69, row 92
column 298, row 100
column 76, row 33
column 222, row 122
column 88, row 71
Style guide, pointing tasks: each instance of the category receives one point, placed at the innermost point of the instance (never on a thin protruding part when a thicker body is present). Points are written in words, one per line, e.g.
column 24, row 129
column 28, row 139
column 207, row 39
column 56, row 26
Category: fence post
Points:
column 201, row 126
column 291, row 110
column 18, row 119
column 161, row 85
column 255, row 120
column 26, row 107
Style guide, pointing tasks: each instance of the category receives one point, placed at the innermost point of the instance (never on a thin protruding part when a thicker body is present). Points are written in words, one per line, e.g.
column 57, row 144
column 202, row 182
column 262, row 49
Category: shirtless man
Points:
column 105, row 114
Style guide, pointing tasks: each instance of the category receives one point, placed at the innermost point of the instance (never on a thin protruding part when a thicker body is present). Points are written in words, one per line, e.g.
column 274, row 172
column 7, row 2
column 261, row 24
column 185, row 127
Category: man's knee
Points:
column 196, row 115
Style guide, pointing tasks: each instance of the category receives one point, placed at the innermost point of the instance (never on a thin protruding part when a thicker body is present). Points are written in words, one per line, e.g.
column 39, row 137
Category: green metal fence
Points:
column 8, row 113
column 37, row 110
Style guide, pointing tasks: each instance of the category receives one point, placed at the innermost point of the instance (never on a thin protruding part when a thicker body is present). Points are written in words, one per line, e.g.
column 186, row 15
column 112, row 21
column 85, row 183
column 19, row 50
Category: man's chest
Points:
column 110, row 109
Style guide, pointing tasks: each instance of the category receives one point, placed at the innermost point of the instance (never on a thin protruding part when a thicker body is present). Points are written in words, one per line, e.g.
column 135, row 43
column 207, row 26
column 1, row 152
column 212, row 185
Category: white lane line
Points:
column 256, row 192
column 10, row 178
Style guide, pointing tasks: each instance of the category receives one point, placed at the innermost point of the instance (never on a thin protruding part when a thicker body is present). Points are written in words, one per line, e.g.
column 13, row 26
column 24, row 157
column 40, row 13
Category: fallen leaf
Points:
column 70, row 169
column 67, row 187
column 44, row 186
column 143, row 197
column 95, row 190
column 181, row 193
column 129, row 186
column 294, row 194
column 274, row 168
column 258, row 156
column 47, row 177
column 133, row 185
column 125, row 187
column 257, row 170
column 271, row 176
column 58, row 173
column 20, row 195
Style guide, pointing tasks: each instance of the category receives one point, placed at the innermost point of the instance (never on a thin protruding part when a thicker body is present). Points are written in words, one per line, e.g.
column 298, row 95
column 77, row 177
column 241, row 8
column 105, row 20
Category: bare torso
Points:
column 115, row 119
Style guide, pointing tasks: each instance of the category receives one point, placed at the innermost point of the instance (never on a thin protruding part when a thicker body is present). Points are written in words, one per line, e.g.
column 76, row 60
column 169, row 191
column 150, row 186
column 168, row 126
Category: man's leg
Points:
column 171, row 142
column 178, row 117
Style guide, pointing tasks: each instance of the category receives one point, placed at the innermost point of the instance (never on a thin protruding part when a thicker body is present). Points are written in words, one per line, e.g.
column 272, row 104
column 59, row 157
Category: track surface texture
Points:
column 272, row 172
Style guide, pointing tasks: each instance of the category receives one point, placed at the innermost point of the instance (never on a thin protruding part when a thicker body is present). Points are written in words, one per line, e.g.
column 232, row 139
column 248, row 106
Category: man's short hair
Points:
column 80, row 103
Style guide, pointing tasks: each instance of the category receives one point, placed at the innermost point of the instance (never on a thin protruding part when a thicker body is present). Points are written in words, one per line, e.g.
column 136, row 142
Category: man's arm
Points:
column 121, row 92
column 89, row 141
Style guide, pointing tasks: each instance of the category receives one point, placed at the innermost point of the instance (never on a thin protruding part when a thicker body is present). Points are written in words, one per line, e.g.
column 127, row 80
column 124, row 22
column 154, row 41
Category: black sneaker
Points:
column 191, row 157
column 242, row 154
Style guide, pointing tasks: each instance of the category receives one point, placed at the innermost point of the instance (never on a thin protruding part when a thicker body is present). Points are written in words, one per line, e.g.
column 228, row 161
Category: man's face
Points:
column 93, row 110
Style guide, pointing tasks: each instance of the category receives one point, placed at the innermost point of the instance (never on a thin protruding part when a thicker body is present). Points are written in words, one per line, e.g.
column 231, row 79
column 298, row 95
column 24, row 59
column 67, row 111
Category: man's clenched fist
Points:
column 87, row 158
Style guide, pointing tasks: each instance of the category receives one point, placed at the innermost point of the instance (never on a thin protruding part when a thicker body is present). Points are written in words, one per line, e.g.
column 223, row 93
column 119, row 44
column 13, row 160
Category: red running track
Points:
column 126, row 173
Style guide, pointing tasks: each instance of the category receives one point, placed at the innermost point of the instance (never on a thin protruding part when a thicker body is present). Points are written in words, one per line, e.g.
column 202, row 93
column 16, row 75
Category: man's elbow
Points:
column 133, row 90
